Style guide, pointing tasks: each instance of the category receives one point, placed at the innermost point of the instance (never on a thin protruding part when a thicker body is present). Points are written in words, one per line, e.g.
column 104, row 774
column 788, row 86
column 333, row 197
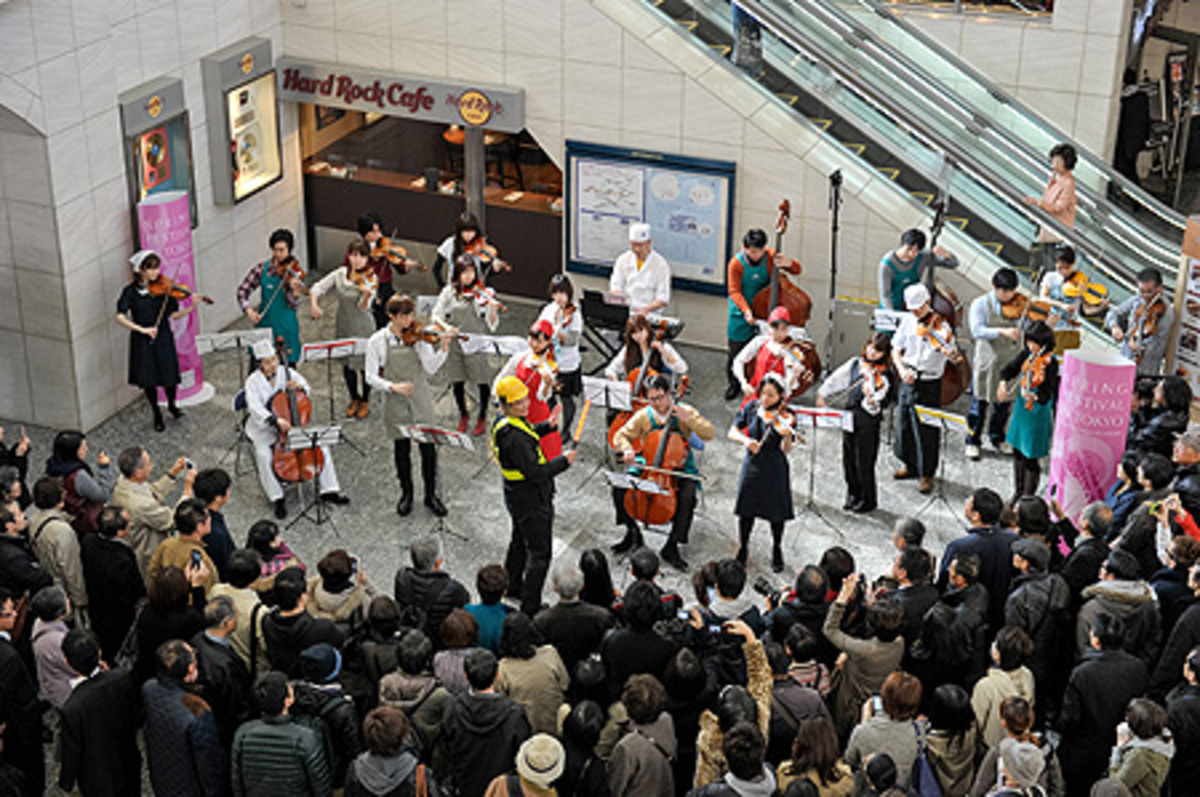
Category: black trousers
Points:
column 735, row 348
column 685, row 510
column 860, row 450
column 353, row 379
column 402, row 452
column 531, row 508
column 917, row 443
column 1026, row 474
column 379, row 307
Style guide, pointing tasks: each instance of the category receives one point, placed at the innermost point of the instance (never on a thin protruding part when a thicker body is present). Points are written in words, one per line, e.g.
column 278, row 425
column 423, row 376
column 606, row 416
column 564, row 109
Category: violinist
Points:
column 264, row 428
column 645, row 353
column 1142, row 323
column 924, row 342
column 356, row 287
column 640, row 274
column 1064, row 289
column 466, row 306
column 869, row 385
column 400, row 370
column 538, row 370
column 152, row 359
column 280, row 283
column 661, row 413
column 468, row 238
column 773, row 352
column 370, row 228
column 995, row 327
column 567, row 320
column 906, row 265
column 766, row 428
column 749, row 271
column 1036, row 373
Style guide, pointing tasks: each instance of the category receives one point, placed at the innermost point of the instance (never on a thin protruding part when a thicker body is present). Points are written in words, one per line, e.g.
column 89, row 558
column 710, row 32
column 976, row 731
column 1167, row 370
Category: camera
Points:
column 763, row 586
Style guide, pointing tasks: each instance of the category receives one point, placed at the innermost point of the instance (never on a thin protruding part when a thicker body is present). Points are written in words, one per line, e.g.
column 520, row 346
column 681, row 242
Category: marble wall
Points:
column 62, row 65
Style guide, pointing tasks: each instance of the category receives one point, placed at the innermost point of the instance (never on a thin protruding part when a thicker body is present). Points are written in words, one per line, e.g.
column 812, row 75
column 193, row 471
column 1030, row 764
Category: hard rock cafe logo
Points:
column 474, row 107
column 247, row 63
column 154, row 106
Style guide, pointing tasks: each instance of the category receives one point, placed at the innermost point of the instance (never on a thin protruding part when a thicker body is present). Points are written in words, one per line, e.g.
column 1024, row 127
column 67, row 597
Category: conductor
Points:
column 528, row 490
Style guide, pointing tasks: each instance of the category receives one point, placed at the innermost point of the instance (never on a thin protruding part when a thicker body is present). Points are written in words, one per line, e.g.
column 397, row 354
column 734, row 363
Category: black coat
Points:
column 993, row 546
column 155, row 627
column 1158, row 434
column 780, row 622
column 954, row 644
column 626, row 652
column 1174, row 596
column 1183, row 718
column 100, row 721
column 114, row 586
column 183, row 749
column 1187, row 485
column 1040, row 604
column 21, row 711
column 427, row 598
column 482, row 733
column 340, row 719
column 1184, row 636
column 287, row 637
column 20, row 570
column 224, row 684
column 790, row 703
column 1140, row 535
column 1082, row 567
column 915, row 601
column 575, row 629
column 1099, row 689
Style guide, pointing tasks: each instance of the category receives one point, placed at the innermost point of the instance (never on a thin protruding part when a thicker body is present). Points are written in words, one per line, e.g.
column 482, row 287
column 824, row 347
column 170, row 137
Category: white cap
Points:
column 139, row 256
column 263, row 349
column 639, row 232
column 915, row 296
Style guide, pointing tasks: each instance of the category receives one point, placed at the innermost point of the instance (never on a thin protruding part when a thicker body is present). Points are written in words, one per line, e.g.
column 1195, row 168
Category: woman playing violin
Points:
column 869, row 385
column 766, row 428
column 644, row 350
column 465, row 306
column 538, row 370
column 280, row 283
column 567, row 321
column 773, row 352
column 152, row 359
column 468, row 238
column 383, row 259
column 1036, row 373
column 356, row 288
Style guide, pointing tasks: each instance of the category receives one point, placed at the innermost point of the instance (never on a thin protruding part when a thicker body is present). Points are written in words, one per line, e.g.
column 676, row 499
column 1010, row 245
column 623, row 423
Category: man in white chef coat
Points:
column 641, row 275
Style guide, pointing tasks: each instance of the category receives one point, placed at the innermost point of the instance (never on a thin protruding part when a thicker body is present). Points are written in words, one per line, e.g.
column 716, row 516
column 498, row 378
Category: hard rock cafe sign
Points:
column 399, row 95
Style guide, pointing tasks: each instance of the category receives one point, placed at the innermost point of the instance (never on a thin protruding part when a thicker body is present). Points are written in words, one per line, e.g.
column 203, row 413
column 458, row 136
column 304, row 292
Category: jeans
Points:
column 997, row 425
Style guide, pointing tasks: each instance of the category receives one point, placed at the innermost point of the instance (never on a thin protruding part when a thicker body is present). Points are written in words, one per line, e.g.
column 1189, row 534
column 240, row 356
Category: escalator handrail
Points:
column 1145, row 199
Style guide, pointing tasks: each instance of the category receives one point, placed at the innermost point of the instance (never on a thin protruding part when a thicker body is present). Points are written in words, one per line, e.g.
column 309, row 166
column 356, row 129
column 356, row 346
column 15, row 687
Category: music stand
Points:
column 312, row 438
column 212, row 342
column 946, row 422
column 439, row 438
column 609, row 394
column 815, row 419
column 330, row 350
column 601, row 315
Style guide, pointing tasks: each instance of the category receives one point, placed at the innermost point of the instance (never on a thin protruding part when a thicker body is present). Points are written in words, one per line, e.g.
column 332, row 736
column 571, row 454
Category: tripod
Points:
column 312, row 439
column 336, row 349
column 439, row 438
column 931, row 417
column 810, row 505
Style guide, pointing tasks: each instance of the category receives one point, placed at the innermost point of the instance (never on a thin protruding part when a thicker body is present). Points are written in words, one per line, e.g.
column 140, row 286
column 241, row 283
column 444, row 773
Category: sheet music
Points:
column 300, row 439
column 440, row 437
column 611, row 394
column 624, row 481
column 824, row 418
column 223, row 341
column 888, row 320
column 949, row 421
column 507, row 345
column 332, row 349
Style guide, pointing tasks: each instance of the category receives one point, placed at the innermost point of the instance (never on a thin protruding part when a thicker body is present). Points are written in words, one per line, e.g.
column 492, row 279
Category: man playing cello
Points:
column 662, row 413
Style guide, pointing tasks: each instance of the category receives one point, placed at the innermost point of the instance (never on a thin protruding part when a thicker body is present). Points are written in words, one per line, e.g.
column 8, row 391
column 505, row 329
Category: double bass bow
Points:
column 782, row 292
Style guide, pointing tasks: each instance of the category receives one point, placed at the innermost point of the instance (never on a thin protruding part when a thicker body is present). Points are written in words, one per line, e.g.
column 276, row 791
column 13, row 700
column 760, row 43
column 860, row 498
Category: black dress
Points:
column 152, row 363
column 764, row 486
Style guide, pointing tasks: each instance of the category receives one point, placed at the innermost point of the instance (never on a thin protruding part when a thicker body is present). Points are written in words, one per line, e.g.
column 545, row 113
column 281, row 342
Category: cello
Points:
column 782, row 292
column 294, row 406
column 956, row 379
column 670, row 455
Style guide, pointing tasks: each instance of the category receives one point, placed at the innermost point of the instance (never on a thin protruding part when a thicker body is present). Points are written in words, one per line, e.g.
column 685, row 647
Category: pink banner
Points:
column 165, row 223
column 1090, row 425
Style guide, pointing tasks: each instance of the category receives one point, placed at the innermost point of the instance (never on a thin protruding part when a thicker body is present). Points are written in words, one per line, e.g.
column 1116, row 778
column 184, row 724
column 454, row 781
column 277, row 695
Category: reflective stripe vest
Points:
column 511, row 474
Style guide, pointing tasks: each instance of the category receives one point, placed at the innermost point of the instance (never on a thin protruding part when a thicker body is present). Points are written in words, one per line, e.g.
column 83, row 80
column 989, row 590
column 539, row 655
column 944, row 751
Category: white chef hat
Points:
column 915, row 296
column 639, row 232
column 263, row 349
column 139, row 256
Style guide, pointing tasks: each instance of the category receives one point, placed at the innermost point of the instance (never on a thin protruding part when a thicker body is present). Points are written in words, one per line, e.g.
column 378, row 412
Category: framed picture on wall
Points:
column 327, row 116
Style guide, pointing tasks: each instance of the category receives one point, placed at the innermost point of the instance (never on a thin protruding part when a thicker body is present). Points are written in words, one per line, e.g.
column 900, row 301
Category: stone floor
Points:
column 477, row 529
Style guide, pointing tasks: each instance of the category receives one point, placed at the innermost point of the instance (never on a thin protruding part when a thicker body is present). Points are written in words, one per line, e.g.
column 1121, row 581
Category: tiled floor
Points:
column 477, row 528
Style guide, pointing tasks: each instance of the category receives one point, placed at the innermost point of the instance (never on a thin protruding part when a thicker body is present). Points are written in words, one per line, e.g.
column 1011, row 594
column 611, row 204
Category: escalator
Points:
column 827, row 65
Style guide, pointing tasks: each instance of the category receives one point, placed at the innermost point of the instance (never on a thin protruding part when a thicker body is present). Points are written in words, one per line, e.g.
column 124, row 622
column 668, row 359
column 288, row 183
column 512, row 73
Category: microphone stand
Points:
column 835, row 205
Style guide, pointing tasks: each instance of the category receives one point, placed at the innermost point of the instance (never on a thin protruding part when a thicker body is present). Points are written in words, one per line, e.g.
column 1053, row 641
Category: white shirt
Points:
column 671, row 359
column 545, row 389
column 650, row 283
column 259, row 390
column 566, row 337
column 377, row 348
column 916, row 352
column 446, row 250
column 793, row 366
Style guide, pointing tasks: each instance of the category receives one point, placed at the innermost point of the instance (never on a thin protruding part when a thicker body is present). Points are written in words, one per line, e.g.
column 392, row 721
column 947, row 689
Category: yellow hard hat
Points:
column 510, row 389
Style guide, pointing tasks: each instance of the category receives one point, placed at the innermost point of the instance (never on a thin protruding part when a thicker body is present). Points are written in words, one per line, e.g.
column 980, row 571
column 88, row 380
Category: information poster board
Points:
column 1183, row 357
column 688, row 203
column 254, row 135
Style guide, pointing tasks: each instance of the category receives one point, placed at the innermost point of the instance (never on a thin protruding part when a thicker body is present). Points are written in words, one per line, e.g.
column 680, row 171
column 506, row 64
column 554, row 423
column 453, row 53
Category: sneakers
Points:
column 463, row 421
column 972, row 452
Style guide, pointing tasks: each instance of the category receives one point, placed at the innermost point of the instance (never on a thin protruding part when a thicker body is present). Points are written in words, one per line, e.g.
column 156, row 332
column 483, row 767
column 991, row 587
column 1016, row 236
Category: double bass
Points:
column 956, row 379
column 295, row 406
column 782, row 292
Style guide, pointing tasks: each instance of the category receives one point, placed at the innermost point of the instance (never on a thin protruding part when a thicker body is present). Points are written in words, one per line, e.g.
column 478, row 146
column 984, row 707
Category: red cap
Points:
column 543, row 326
column 780, row 314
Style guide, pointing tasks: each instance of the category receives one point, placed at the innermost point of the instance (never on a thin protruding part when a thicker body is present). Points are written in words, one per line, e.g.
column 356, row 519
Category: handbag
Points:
column 128, row 652
column 924, row 778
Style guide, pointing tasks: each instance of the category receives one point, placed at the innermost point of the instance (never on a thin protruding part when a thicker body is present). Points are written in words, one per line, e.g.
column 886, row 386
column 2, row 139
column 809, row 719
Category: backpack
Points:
column 924, row 778
column 416, row 615
column 318, row 723
column 86, row 513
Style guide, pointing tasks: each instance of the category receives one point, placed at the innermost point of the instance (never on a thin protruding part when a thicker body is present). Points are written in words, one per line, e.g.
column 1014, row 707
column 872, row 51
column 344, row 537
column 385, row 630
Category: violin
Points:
column 387, row 249
column 415, row 334
column 294, row 406
column 782, row 292
column 487, row 255
column 1145, row 323
column 365, row 279
column 1033, row 374
column 780, row 420
column 484, row 296
column 940, row 335
column 1020, row 308
column 165, row 286
column 1078, row 286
